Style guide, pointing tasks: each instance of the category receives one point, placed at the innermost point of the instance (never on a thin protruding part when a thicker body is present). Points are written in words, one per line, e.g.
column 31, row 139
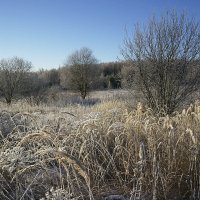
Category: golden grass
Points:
column 106, row 146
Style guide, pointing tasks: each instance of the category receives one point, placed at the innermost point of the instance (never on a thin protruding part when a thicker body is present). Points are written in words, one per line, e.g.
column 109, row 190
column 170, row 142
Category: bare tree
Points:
column 82, row 70
column 165, row 56
column 12, row 73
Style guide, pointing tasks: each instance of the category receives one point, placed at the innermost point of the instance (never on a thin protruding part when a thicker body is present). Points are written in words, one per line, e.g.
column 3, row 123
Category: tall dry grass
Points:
column 88, row 153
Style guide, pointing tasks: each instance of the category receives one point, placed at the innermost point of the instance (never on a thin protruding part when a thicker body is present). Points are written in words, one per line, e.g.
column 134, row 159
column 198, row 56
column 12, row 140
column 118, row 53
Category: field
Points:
column 96, row 148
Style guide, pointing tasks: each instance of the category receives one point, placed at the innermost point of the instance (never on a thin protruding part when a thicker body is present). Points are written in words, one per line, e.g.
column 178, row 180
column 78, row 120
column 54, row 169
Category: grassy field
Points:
column 86, row 150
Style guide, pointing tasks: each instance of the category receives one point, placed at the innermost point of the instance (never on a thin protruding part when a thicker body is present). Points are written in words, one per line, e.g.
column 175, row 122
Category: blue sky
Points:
column 45, row 32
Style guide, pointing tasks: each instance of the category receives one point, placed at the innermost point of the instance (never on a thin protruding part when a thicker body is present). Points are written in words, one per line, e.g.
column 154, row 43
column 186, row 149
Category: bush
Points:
column 165, row 56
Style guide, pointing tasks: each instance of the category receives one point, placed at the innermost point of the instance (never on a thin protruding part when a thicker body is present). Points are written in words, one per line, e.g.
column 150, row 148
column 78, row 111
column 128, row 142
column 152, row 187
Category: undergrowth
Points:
column 107, row 148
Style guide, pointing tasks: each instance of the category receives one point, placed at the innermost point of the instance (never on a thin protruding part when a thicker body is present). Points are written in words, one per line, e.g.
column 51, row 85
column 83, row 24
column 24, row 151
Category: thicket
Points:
column 36, row 85
column 165, row 58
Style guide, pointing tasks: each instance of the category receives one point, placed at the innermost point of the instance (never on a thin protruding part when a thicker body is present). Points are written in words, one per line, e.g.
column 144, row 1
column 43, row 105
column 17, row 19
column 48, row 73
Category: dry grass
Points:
column 79, row 152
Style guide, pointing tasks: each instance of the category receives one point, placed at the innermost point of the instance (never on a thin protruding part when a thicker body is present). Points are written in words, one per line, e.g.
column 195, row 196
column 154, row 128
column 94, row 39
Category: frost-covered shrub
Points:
column 58, row 194
column 6, row 123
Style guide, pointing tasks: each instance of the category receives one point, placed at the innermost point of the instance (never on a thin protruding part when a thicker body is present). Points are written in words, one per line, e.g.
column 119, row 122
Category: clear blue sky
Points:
column 45, row 32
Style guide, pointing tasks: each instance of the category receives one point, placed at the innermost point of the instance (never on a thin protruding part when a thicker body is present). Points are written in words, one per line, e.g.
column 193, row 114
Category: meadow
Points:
column 96, row 148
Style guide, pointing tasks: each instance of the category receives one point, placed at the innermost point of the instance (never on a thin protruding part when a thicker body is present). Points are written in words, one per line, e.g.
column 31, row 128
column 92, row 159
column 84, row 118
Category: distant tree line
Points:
column 161, row 63
column 82, row 73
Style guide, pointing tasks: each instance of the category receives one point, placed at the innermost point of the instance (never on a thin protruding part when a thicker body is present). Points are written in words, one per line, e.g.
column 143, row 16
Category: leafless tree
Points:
column 12, row 73
column 165, row 57
column 82, row 70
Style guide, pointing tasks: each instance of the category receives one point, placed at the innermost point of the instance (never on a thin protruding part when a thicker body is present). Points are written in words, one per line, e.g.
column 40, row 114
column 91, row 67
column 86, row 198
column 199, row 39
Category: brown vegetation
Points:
column 51, row 152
